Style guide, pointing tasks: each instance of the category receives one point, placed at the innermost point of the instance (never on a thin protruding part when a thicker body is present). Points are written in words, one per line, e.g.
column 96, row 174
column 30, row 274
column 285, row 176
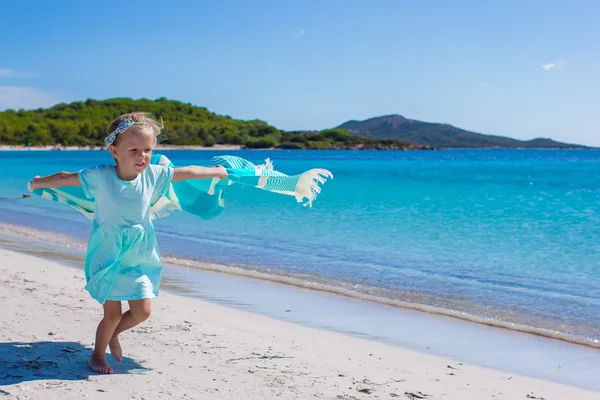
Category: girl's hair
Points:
column 136, row 116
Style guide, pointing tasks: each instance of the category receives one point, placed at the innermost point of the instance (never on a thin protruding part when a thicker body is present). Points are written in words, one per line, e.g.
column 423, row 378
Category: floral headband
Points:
column 123, row 126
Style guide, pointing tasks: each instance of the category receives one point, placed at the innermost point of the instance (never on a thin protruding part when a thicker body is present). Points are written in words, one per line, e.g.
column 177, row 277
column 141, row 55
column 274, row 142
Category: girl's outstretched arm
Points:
column 195, row 172
column 59, row 179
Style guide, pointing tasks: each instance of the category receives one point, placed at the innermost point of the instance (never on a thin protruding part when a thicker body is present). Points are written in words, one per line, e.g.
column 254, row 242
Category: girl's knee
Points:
column 112, row 311
column 142, row 313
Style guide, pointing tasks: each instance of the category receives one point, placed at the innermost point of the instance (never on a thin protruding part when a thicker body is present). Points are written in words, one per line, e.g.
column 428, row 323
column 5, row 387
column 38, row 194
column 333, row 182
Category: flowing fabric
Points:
column 204, row 197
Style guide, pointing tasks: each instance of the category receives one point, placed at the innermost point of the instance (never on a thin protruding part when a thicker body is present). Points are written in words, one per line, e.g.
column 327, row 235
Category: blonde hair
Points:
column 136, row 116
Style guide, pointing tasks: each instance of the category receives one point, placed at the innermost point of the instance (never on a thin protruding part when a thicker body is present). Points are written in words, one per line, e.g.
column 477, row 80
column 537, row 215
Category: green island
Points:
column 83, row 124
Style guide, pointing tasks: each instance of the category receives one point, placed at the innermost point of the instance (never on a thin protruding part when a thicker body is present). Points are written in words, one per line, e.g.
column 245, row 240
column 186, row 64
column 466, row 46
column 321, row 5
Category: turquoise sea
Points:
column 503, row 237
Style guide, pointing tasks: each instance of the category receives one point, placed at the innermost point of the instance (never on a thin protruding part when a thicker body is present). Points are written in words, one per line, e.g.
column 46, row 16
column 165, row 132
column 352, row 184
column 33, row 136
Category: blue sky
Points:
column 517, row 68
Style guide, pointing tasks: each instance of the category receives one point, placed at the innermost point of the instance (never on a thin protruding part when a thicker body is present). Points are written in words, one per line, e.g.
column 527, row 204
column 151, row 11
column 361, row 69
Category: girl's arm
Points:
column 59, row 179
column 195, row 172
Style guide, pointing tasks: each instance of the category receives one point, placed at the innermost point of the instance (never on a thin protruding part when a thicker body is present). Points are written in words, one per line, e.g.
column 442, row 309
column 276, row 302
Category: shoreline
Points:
column 318, row 285
column 325, row 287
column 190, row 347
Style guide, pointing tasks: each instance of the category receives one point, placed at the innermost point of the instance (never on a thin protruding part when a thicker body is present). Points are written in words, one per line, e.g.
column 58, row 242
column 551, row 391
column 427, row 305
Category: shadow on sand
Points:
column 22, row 362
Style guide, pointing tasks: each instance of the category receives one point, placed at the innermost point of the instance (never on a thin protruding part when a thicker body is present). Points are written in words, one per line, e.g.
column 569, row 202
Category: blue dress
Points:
column 123, row 260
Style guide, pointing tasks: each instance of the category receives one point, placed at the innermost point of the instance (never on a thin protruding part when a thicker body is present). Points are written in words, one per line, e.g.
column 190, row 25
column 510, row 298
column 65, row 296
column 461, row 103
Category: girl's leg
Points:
column 106, row 327
column 139, row 311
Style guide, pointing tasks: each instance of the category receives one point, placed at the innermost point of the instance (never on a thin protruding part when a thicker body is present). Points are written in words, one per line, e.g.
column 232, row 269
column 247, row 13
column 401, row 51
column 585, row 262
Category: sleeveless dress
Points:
column 123, row 260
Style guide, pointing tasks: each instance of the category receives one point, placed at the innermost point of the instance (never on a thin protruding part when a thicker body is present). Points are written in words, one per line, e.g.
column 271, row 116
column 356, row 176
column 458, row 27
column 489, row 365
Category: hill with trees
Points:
column 84, row 124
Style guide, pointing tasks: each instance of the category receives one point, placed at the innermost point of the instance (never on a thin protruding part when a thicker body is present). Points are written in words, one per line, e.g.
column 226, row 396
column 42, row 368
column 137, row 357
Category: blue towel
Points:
column 204, row 197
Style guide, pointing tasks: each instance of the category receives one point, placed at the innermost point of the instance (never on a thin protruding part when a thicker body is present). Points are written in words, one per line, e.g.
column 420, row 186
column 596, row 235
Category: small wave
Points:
column 48, row 237
column 408, row 270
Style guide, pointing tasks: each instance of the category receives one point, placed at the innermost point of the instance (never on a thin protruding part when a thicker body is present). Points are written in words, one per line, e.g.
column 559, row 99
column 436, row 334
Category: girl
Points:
column 122, row 260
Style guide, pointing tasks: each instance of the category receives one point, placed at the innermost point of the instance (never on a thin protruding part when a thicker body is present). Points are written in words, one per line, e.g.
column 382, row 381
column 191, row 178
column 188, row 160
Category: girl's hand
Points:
column 221, row 172
column 31, row 185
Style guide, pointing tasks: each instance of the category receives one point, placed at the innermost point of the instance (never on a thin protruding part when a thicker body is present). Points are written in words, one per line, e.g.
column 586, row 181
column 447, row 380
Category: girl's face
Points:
column 134, row 149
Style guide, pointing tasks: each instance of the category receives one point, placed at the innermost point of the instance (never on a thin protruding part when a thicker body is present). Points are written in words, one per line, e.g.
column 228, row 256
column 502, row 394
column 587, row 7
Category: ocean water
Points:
column 502, row 237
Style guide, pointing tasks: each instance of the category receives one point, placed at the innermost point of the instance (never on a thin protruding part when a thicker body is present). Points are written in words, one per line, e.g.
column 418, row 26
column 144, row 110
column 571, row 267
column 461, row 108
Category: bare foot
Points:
column 115, row 348
column 98, row 364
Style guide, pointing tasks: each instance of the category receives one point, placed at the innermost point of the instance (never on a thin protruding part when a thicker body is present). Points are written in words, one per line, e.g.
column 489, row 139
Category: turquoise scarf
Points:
column 204, row 197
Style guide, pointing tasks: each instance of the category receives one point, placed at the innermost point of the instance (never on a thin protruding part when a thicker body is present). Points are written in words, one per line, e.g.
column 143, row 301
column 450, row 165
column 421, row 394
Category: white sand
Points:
column 193, row 349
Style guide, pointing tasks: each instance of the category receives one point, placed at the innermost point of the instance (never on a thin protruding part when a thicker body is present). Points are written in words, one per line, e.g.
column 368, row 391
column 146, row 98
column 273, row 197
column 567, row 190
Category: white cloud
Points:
column 13, row 73
column 483, row 84
column 554, row 65
column 16, row 97
column 299, row 32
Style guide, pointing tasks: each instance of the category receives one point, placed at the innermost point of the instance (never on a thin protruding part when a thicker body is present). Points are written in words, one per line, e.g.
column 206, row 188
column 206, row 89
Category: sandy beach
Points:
column 193, row 349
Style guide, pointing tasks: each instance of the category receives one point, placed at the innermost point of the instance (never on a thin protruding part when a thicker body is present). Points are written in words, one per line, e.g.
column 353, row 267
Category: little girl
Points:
column 122, row 260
